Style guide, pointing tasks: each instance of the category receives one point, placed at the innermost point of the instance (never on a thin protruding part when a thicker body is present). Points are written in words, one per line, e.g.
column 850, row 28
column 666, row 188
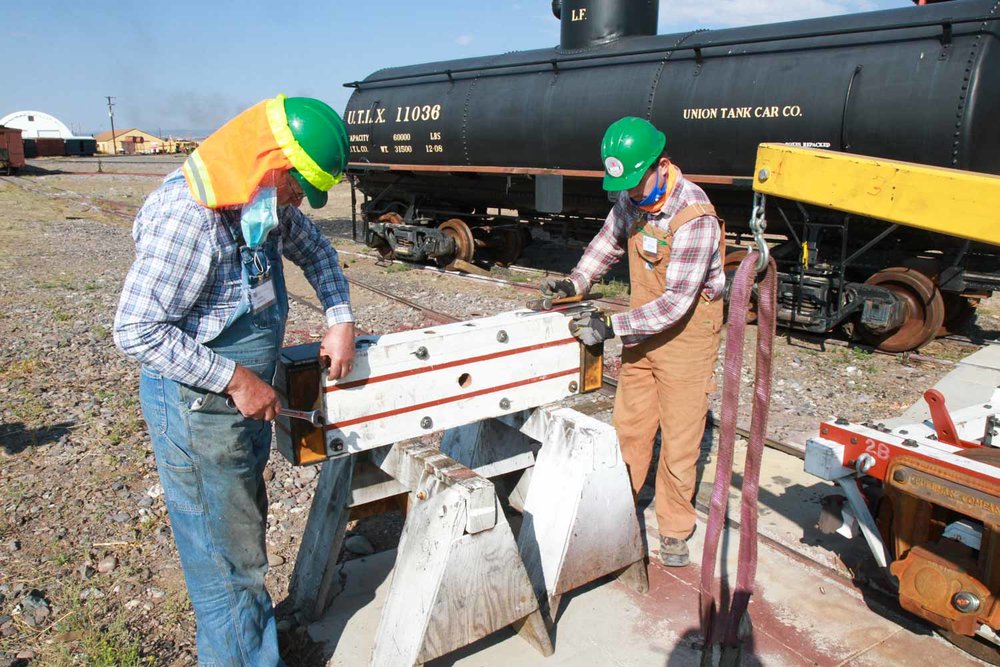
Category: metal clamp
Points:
column 758, row 223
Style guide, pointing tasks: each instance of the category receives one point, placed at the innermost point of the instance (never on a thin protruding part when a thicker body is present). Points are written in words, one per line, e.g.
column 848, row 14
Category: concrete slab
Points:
column 789, row 505
column 972, row 381
column 801, row 615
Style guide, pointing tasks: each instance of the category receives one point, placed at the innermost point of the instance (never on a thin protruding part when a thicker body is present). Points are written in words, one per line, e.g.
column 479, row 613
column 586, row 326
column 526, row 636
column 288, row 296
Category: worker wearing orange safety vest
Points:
column 667, row 227
column 203, row 309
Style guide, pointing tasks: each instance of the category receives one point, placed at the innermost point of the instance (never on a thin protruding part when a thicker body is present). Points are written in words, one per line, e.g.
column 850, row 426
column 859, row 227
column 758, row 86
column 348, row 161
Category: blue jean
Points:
column 211, row 460
column 211, row 465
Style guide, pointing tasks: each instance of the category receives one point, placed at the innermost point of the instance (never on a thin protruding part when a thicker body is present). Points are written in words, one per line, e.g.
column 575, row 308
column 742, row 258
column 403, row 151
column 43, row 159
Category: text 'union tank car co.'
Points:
column 454, row 158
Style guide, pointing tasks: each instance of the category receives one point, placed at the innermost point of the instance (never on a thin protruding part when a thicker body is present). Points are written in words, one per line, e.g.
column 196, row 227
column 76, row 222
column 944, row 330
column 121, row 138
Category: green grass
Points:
column 518, row 277
column 399, row 267
column 103, row 637
column 60, row 558
column 612, row 289
column 21, row 369
column 29, row 408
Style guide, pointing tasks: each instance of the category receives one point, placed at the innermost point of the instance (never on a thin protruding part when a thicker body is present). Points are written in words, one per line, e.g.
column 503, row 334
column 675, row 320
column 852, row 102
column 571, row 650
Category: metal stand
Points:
column 579, row 515
column 460, row 575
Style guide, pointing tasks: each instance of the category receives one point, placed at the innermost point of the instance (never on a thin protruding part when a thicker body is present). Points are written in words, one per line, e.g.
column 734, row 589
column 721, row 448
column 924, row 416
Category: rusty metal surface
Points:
column 945, row 487
column 930, row 578
column 591, row 367
column 924, row 497
column 465, row 244
column 298, row 380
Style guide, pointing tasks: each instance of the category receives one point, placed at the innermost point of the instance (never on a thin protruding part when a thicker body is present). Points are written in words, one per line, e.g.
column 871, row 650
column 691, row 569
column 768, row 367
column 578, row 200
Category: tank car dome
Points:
column 36, row 124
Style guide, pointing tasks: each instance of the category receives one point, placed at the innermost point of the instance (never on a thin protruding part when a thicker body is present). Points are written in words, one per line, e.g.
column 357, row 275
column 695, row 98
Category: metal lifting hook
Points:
column 758, row 223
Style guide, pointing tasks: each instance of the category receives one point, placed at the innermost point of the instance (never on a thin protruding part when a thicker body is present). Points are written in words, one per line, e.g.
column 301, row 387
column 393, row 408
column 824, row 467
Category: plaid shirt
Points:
column 186, row 282
column 694, row 267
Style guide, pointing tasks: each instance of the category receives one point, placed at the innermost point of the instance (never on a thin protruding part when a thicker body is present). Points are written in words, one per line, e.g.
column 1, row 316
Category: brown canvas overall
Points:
column 665, row 381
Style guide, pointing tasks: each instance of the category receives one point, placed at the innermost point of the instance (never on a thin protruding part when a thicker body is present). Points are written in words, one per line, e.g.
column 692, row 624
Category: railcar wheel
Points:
column 924, row 310
column 390, row 218
column 959, row 311
column 508, row 246
column 729, row 266
column 465, row 245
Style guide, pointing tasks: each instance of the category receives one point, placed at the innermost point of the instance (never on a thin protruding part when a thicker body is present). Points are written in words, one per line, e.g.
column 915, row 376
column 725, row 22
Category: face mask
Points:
column 656, row 194
column 259, row 216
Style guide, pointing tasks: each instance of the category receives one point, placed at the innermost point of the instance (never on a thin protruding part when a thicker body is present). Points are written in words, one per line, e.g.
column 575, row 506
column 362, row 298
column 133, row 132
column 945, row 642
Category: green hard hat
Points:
column 629, row 147
column 322, row 134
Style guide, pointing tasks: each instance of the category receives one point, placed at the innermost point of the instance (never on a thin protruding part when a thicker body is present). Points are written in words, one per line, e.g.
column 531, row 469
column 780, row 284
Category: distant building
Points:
column 37, row 125
column 130, row 141
column 175, row 145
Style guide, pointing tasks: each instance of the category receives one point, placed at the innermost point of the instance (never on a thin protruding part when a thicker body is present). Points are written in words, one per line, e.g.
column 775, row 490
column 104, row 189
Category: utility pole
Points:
column 114, row 145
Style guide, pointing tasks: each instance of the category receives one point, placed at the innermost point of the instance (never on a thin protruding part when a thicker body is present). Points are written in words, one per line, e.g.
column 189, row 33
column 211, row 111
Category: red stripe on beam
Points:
column 451, row 399
column 451, row 364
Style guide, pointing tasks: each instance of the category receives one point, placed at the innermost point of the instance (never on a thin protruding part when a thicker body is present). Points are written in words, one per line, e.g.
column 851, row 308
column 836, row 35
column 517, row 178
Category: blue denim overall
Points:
column 211, row 462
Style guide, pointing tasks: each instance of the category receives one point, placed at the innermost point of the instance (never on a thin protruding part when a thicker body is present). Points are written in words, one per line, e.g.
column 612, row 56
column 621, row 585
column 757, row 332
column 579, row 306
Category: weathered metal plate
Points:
column 413, row 383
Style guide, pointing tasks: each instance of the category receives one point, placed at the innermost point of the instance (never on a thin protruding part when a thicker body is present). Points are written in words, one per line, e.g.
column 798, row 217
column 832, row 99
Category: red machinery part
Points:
column 944, row 425
column 859, row 441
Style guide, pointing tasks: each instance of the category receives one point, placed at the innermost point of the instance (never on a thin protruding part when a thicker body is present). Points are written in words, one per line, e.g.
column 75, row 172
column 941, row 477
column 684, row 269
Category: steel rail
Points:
column 429, row 313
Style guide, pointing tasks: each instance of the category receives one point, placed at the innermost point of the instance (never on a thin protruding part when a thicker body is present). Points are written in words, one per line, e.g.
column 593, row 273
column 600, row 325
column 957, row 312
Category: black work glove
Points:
column 557, row 288
column 592, row 328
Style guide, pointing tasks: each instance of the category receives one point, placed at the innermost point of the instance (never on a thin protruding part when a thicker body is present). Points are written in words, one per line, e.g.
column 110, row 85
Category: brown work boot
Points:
column 674, row 552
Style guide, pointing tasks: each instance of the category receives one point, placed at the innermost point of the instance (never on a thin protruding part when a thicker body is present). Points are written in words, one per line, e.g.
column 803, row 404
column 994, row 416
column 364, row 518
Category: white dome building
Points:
column 35, row 125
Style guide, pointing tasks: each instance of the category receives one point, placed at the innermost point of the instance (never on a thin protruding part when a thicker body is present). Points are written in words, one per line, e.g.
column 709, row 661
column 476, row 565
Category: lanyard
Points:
column 255, row 260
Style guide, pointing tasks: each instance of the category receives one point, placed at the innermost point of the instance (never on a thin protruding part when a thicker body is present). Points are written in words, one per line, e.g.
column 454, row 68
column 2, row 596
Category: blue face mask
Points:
column 656, row 194
column 259, row 216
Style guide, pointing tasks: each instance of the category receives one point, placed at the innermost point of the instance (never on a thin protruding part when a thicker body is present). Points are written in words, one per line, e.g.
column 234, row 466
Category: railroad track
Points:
column 127, row 212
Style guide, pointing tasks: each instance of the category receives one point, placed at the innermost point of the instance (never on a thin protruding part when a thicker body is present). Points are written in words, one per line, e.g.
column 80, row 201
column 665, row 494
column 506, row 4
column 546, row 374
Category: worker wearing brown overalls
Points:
column 670, row 333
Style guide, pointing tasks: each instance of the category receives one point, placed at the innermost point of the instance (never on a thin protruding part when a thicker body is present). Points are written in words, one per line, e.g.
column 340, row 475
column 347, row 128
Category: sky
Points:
column 193, row 64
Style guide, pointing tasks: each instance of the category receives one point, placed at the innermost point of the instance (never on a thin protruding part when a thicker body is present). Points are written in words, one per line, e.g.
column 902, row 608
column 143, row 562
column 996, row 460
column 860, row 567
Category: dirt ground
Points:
column 88, row 570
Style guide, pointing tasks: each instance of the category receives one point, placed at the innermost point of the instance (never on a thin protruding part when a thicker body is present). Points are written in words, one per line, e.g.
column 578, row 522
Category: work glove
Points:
column 557, row 288
column 592, row 328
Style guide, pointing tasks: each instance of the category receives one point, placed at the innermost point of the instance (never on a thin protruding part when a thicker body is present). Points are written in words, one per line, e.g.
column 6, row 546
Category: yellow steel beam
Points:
column 950, row 201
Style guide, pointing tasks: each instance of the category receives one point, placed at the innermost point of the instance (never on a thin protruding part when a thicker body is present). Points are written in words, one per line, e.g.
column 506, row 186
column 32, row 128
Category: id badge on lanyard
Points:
column 262, row 295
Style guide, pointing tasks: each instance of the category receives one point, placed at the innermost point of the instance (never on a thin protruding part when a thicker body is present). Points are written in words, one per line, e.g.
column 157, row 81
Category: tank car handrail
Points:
column 945, row 23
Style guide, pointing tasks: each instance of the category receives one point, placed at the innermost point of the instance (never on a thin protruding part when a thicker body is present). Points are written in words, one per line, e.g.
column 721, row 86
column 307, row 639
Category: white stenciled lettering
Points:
column 418, row 113
column 742, row 112
column 701, row 114
column 735, row 112
column 365, row 117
